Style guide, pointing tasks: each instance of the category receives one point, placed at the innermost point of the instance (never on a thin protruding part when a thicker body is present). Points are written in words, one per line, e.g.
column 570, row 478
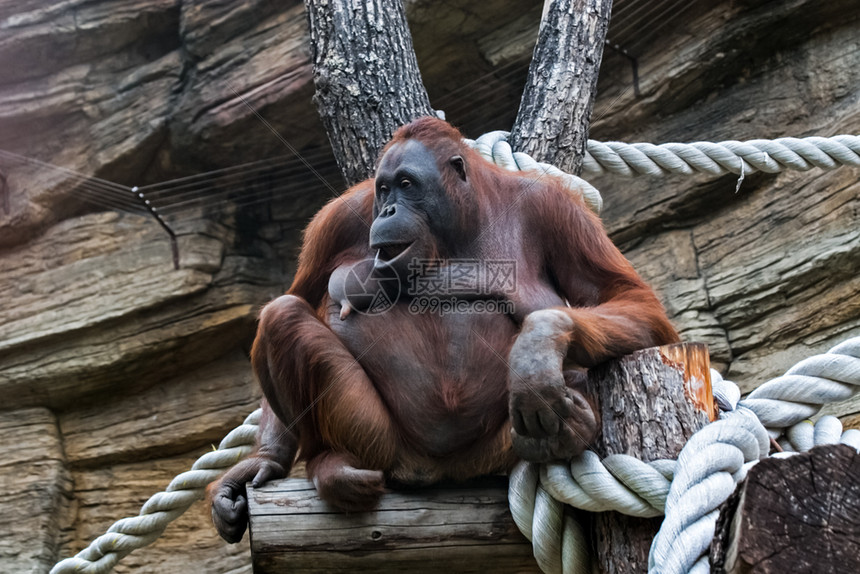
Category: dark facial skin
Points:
column 410, row 207
column 415, row 222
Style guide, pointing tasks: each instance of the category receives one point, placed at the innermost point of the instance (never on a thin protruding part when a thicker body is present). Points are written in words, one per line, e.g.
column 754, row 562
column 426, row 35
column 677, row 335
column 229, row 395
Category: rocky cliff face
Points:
column 117, row 370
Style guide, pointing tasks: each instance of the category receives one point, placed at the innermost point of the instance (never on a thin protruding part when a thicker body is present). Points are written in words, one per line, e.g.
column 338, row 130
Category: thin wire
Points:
column 223, row 197
column 240, row 177
column 189, row 182
column 242, row 203
column 498, row 74
column 665, row 21
column 122, row 195
column 193, row 188
column 125, row 196
column 609, row 107
column 83, row 192
column 104, row 182
column 154, row 187
column 288, row 145
column 236, row 181
column 175, row 195
column 199, row 187
column 307, row 165
column 253, row 185
column 95, row 189
column 485, row 83
column 117, row 207
column 622, row 22
column 489, row 107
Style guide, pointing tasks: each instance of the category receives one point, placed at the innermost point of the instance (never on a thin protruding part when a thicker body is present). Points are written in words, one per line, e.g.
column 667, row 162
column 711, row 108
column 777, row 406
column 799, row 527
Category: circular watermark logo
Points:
column 370, row 287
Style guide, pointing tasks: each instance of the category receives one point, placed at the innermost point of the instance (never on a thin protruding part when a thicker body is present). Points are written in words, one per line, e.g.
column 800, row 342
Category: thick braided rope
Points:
column 803, row 389
column 690, row 490
column 494, row 147
column 558, row 540
column 682, row 543
column 715, row 159
column 128, row 534
column 769, row 156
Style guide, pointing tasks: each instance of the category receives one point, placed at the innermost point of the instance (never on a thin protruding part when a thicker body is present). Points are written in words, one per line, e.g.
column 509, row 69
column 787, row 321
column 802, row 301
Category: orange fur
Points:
column 423, row 397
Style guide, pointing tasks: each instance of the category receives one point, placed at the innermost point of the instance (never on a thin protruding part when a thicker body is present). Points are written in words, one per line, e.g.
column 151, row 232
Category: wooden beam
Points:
column 444, row 528
column 799, row 514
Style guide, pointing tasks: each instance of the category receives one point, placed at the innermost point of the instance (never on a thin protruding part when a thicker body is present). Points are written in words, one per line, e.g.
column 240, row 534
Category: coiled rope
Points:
column 688, row 490
column 494, row 147
column 536, row 494
column 135, row 532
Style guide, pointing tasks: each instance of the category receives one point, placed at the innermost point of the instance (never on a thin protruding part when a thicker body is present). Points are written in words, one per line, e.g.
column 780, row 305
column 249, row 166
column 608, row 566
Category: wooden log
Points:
column 453, row 528
column 798, row 515
column 651, row 402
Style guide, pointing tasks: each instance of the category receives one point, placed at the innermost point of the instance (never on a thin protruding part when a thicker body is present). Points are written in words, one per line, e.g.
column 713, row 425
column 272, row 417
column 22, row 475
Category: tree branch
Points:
column 366, row 77
column 553, row 119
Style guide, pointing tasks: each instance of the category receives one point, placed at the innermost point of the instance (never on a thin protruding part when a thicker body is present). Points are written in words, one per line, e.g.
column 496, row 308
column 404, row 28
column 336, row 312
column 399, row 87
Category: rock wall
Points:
column 117, row 371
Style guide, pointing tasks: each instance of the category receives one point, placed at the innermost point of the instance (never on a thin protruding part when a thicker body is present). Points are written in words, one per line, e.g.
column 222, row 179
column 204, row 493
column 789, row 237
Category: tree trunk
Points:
column 651, row 402
column 366, row 77
column 552, row 123
column 798, row 514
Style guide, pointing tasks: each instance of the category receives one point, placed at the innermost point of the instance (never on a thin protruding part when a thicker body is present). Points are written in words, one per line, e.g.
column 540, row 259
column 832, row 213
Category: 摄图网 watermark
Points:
column 437, row 286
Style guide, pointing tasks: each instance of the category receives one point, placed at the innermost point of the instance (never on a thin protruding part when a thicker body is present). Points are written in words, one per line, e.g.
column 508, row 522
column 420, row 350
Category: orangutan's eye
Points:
column 405, row 183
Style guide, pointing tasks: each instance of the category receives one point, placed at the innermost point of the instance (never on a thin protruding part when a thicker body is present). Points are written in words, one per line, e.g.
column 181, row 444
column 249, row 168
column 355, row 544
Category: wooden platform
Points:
column 454, row 528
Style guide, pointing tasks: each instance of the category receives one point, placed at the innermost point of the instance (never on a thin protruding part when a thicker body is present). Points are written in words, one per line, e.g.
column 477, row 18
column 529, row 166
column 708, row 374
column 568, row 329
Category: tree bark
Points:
column 651, row 402
column 798, row 514
column 366, row 77
column 553, row 119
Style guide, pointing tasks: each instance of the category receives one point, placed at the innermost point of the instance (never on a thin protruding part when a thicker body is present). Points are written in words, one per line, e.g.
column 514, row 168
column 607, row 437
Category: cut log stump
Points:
column 651, row 402
column 458, row 528
column 798, row 515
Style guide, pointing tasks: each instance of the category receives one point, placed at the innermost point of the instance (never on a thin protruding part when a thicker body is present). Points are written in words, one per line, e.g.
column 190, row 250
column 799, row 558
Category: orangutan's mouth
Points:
column 391, row 252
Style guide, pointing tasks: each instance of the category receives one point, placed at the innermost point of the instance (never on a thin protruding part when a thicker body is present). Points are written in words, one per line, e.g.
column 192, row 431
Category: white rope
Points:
column 559, row 542
column 494, row 147
column 708, row 467
column 690, row 490
column 715, row 159
column 128, row 534
column 769, row 156
column 800, row 393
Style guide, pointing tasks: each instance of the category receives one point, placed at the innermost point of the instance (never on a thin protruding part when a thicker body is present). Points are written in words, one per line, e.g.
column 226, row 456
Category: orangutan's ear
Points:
column 459, row 166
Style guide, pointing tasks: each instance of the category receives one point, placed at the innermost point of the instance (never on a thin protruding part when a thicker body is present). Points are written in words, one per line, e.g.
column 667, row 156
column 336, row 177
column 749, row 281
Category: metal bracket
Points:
column 634, row 63
column 4, row 192
column 174, row 246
